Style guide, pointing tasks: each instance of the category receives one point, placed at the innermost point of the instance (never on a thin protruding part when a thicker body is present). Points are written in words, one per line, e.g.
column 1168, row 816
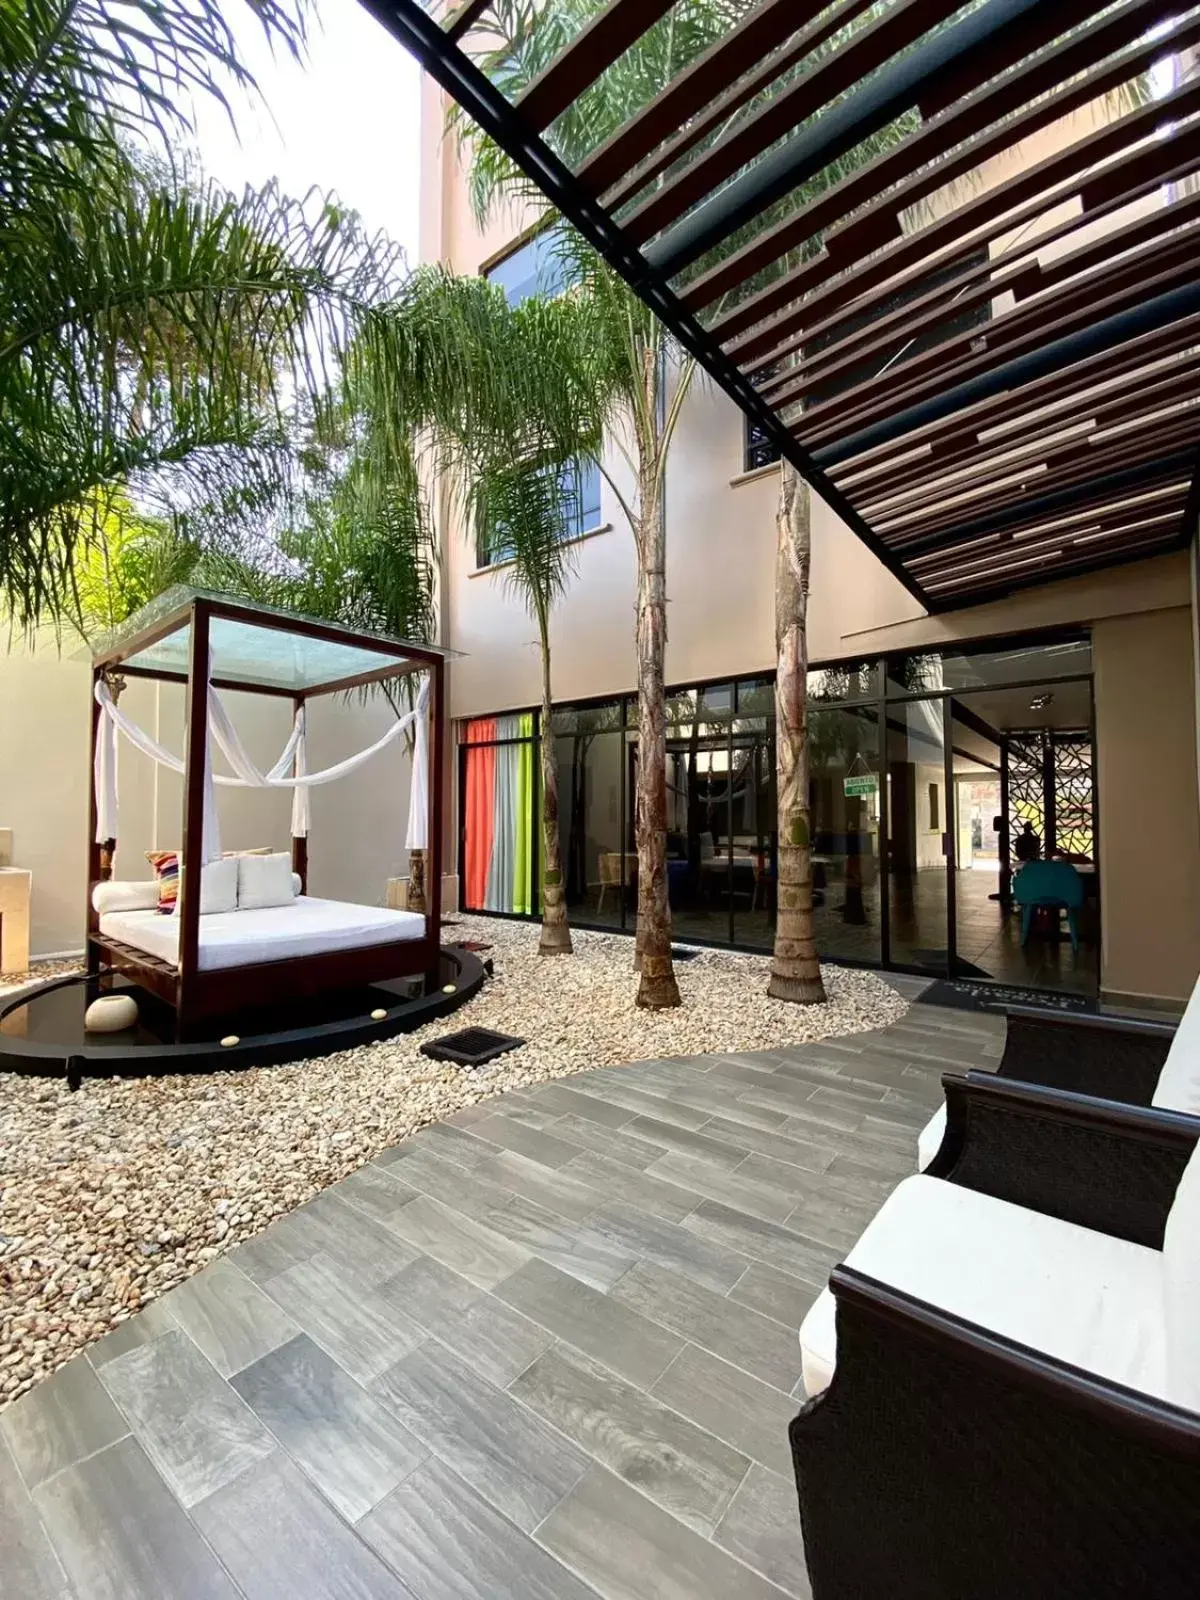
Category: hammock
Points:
column 247, row 775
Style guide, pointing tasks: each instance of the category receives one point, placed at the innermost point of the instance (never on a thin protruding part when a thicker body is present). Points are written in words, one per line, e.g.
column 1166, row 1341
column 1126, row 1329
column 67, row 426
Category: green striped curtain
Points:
column 522, row 888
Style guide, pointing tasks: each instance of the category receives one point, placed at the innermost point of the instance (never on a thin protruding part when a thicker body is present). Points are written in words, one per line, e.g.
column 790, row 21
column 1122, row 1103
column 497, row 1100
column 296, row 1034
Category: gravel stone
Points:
column 112, row 1195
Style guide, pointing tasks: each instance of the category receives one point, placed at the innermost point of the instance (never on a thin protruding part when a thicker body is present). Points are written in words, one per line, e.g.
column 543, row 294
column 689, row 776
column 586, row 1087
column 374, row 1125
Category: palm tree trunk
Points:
column 652, row 955
column 795, row 969
column 555, row 937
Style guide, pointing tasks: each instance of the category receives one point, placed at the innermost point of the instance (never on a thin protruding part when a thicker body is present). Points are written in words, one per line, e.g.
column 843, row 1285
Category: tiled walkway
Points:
column 546, row 1352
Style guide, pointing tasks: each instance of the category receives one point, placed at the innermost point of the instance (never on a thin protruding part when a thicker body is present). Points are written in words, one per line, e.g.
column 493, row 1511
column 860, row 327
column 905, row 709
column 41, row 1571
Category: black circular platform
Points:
column 42, row 1032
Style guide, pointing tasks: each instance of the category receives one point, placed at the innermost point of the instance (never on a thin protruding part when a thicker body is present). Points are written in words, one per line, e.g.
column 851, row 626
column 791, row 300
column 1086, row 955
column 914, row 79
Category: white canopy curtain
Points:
column 246, row 774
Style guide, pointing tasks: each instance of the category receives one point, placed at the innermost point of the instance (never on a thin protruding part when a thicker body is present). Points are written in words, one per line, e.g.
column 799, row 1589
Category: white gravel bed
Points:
column 114, row 1194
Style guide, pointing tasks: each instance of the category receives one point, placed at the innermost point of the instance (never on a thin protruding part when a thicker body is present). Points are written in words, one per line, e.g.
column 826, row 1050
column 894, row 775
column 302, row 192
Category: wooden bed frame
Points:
column 195, row 994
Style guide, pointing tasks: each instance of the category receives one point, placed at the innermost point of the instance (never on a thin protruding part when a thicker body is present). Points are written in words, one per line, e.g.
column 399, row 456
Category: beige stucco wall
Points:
column 358, row 823
column 1148, row 806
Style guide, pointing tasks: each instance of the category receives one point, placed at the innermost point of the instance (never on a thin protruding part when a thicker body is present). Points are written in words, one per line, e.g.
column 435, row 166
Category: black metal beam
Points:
column 896, row 89
column 478, row 96
column 1159, row 312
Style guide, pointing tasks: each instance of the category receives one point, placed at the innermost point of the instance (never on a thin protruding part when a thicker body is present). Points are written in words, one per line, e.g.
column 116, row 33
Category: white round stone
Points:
column 230, row 1040
column 378, row 1016
column 111, row 1013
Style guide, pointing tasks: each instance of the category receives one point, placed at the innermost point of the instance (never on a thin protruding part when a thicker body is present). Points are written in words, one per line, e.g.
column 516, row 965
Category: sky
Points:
column 346, row 119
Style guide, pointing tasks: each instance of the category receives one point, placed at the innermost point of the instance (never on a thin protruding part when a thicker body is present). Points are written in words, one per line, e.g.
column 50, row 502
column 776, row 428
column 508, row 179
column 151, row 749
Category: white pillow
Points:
column 297, row 886
column 264, row 881
column 118, row 896
column 218, row 888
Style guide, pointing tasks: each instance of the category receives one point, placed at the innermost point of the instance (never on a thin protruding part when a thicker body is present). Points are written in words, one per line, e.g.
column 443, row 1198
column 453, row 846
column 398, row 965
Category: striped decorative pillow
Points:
column 166, row 870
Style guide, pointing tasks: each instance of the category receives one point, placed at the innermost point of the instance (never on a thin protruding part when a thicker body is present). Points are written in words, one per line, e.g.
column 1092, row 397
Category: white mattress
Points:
column 306, row 927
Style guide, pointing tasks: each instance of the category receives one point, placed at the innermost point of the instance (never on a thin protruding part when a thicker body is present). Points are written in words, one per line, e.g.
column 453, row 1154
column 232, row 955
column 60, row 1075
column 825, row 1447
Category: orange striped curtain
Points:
column 480, row 817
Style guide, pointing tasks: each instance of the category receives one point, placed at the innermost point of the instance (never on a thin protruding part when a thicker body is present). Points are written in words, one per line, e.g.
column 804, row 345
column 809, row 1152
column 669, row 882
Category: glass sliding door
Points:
column 753, row 834
column 589, row 746
column 1024, row 786
column 919, row 835
column 844, row 776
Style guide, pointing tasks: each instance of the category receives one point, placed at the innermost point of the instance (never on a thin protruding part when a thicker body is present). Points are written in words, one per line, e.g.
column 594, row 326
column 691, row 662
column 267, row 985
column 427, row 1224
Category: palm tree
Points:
column 520, row 515
column 642, row 380
column 640, row 375
column 153, row 329
column 504, row 400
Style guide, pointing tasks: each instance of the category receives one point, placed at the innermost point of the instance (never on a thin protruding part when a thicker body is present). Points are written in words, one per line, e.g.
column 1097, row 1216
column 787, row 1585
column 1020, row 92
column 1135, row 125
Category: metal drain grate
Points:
column 471, row 1047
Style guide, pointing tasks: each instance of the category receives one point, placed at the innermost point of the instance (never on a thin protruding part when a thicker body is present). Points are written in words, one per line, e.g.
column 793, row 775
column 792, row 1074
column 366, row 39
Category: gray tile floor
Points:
column 545, row 1352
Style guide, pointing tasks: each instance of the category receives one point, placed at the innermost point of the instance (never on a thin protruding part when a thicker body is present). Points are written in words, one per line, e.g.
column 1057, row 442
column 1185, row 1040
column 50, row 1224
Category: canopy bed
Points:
column 244, row 933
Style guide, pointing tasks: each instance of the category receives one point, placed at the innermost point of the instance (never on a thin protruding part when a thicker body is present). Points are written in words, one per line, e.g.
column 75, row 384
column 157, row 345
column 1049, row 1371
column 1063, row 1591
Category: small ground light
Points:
column 449, row 988
column 378, row 1015
column 230, row 1040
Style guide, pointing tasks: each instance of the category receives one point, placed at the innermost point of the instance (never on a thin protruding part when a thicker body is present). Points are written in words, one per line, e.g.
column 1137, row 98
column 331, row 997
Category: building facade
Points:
column 1070, row 708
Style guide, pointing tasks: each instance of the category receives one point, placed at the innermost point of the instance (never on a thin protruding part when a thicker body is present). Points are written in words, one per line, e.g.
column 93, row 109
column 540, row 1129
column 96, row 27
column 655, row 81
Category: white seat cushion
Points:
column 929, row 1140
column 1179, row 1081
column 1079, row 1296
column 1181, row 1276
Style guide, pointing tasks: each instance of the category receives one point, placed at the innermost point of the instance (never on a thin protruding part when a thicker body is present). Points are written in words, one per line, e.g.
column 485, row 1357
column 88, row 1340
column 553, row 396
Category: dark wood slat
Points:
column 1040, row 573
column 883, row 339
column 896, row 331
column 1084, row 482
column 1129, row 404
column 952, row 285
column 859, row 408
column 1027, row 91
column 1045, row 503
column 875, row 232
column 936, row 568
column 898, row 28
column 1054, row 552
column 707, row 93
column 1052, row 389
column 605, row 39
column 1134, row 502
column 1059, row 471
column 1132, row 402
column 1024, row 39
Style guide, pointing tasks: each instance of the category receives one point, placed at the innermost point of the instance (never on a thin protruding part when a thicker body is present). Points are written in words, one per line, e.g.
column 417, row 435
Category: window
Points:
column 536, row 267
column 758, row 449
column 580, row 485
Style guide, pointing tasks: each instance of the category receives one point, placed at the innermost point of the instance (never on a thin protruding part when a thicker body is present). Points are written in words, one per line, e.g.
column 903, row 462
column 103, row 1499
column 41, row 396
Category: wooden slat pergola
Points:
column 941, row 254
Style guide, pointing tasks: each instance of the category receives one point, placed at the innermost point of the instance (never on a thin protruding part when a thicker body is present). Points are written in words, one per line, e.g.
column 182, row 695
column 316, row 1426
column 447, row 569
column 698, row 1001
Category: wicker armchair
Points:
column 1137, row 1063
column 947, row 1458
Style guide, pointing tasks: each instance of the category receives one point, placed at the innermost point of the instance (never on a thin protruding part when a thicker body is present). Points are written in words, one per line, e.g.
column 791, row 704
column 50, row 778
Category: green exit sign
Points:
column 862, row 783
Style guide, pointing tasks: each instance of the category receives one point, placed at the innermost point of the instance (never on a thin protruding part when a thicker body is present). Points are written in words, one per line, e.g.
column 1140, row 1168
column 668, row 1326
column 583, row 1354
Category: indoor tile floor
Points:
column 546, row 1351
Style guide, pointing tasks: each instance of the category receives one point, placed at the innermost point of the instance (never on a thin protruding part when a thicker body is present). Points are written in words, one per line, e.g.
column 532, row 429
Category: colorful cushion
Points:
column 218, row 883
column 166, row 870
